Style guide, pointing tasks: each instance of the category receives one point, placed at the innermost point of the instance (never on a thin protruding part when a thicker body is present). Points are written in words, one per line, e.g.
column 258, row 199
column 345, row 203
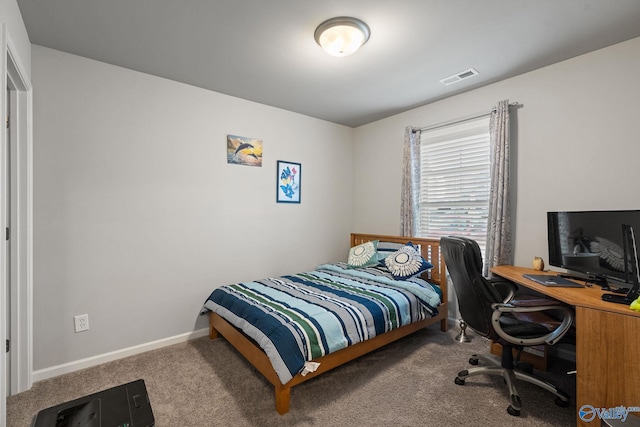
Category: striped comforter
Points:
column 301, row 317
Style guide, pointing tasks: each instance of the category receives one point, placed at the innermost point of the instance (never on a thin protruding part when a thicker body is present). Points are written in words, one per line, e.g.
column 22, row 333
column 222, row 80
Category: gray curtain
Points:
column 409, row 219
column 499, row 249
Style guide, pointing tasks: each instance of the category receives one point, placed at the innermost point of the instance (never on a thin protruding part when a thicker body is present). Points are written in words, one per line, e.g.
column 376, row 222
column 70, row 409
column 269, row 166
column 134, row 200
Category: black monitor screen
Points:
column 591, row 242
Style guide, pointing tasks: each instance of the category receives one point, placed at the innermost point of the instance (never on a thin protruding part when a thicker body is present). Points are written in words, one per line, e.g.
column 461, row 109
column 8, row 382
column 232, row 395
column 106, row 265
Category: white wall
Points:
column 578, row 144
column 138, row 216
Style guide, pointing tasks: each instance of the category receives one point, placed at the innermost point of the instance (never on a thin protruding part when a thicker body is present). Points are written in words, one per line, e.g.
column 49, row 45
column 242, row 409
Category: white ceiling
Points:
column 264, row 50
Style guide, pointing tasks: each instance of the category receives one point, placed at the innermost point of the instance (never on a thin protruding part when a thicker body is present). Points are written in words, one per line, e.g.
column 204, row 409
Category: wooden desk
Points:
column 607, row 344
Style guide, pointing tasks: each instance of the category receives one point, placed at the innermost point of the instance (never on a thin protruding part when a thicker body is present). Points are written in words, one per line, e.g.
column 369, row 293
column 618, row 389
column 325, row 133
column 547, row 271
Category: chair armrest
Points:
column 506, row 288
column 533, row 301
column 501, row 308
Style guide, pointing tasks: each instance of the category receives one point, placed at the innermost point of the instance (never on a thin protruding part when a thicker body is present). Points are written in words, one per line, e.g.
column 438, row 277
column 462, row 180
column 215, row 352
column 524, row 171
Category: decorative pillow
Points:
column 387, row 248
column 363, row 255
column 406, row 262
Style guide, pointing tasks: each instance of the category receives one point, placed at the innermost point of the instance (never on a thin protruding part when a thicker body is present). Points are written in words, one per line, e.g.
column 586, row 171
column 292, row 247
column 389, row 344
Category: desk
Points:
column 607, row 344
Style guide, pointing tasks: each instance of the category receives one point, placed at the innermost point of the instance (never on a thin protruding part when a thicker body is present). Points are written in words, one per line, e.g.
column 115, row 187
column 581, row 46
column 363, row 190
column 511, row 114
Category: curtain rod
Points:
column 462, row 119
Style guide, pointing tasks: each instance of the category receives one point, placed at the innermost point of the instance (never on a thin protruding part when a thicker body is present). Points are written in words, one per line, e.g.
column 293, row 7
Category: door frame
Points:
column 16, row 79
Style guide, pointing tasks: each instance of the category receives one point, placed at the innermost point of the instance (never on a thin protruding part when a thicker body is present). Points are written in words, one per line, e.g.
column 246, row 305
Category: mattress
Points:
column 300, row 317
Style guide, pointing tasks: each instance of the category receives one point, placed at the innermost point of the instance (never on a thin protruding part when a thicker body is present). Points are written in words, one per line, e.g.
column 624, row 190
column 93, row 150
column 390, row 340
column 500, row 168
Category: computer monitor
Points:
column 591, row 243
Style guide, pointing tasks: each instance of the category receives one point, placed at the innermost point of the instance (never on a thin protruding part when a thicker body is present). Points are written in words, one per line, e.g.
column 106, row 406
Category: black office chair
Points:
column 489, row 308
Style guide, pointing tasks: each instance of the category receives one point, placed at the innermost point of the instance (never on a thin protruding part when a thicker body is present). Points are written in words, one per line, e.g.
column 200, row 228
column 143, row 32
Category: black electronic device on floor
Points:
column 126, row 405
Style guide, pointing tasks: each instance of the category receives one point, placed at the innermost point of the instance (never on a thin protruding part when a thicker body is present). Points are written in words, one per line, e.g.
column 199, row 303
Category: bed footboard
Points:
column 254, row 355
column 257, row 357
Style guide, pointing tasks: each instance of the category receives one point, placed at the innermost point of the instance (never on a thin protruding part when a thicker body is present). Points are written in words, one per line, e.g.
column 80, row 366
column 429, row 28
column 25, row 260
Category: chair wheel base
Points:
column 561, row 402
column 473, row 361
column 459, row 381
column 513, row 412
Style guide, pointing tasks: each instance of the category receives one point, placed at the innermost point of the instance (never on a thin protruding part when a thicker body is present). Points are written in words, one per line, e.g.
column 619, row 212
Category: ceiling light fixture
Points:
column 342, row 36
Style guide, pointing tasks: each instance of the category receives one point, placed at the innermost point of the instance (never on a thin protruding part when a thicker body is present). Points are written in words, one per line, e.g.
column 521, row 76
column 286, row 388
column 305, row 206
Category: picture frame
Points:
column 288, row 182
column 242, row 150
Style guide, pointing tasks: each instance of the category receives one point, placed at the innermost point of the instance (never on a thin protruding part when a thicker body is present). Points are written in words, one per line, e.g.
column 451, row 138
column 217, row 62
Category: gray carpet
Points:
column 407, row 383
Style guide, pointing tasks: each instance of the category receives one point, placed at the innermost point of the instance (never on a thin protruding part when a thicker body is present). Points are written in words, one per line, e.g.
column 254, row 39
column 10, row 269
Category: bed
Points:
column 329, row 331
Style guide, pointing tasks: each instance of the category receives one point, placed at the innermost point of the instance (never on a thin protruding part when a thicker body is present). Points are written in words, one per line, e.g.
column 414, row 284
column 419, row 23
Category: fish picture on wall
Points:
column 244, row 151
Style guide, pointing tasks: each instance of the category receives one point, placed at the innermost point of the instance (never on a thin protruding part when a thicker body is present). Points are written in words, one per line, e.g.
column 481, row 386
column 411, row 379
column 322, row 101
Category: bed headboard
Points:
column 430, row 249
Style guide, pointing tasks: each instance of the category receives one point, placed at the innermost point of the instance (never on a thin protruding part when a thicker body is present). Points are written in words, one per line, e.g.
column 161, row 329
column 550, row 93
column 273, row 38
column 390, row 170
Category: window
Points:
column 454, row 180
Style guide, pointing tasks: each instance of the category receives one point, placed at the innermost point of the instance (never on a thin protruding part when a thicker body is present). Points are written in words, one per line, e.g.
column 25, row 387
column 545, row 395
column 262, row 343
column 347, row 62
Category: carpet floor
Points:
column 407, row 383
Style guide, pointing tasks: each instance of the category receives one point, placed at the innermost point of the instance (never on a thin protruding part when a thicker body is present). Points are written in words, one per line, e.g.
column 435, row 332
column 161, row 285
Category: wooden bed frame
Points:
column 255, row 355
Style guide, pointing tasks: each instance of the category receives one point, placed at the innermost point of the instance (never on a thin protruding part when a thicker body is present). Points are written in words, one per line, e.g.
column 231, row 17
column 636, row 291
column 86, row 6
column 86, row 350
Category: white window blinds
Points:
column 455, row 179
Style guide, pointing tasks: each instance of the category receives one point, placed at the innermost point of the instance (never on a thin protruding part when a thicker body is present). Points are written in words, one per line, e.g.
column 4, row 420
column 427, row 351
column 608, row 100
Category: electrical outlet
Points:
column 81, row 322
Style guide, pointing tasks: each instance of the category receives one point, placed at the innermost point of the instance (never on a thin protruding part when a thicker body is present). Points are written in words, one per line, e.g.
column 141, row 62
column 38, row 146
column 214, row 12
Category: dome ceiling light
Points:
column 342, row 36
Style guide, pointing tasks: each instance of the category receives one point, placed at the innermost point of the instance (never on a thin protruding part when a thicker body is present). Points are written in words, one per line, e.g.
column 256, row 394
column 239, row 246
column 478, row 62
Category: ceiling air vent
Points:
column 459, row 77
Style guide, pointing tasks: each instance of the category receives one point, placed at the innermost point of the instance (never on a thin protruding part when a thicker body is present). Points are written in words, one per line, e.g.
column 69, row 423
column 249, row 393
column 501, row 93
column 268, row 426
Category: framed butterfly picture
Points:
column 288, row 183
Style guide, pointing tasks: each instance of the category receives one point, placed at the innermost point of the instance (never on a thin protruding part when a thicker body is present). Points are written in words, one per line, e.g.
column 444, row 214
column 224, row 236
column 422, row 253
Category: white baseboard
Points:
column 66, row 368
